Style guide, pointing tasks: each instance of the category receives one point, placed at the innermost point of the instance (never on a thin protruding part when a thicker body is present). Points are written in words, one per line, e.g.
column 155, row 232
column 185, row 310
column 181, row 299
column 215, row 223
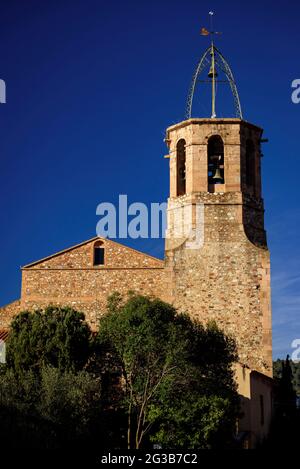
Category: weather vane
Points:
column 212, row 71
column 205, row 32
column 213, row 58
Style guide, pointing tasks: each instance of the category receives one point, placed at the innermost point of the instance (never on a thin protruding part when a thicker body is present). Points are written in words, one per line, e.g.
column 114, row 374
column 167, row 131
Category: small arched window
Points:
column 250, row 164
column 98, row 254
column 215, row 160
column 181, row 169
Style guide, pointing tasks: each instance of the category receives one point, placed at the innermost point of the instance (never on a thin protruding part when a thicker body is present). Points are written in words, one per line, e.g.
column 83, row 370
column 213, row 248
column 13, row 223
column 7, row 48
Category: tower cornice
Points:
column 209, row 121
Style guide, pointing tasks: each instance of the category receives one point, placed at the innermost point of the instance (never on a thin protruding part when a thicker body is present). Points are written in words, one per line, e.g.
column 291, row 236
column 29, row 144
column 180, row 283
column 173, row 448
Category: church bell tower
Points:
column 216, row 249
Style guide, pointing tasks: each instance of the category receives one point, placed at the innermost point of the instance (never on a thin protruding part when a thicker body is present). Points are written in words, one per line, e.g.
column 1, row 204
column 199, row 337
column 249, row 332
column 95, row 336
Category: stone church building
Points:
column 216, row 264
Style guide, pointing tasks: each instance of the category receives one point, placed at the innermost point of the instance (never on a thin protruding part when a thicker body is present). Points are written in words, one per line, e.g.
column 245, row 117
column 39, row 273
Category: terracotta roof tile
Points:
column 4, row 334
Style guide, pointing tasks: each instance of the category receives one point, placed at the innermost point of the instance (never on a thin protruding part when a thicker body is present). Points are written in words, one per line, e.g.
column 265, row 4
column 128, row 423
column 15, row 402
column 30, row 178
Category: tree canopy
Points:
column 151, row 375
column 47, row 397
column 279, row 369
column 56, row 336
column 179, row 388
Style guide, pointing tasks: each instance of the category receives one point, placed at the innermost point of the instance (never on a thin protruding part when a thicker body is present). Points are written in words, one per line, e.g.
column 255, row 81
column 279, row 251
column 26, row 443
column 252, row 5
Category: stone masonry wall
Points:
column 71, row 279
column 227, row 278
column 8, row 312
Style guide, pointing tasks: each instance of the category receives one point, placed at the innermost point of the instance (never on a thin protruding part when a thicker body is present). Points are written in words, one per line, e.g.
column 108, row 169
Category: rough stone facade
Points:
column 226, row 277
column 8, row 312
column 70, row 278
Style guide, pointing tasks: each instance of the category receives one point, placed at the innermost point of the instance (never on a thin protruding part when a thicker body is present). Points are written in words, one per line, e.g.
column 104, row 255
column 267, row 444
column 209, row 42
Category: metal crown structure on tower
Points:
column 213, row 59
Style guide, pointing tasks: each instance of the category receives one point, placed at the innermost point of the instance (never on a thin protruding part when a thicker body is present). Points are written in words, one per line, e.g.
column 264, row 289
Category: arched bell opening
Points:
column 215, row 162
column 181, row 167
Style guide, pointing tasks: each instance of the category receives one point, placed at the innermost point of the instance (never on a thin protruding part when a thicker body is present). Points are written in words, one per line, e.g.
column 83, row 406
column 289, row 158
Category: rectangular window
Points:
column 98, row 256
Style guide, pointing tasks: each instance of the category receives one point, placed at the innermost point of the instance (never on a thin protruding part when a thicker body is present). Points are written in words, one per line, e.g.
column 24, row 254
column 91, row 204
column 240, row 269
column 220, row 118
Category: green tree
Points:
column 54, row 409
column 69, row 400
column 278, row 367
column 176, row 374
column 286, row 391
column 285, row 427
column 56, row 336
column 44, row 389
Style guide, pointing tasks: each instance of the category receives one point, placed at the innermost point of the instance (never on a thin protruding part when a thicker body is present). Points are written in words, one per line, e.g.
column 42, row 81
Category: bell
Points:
column 217, row 175
column 211, row 72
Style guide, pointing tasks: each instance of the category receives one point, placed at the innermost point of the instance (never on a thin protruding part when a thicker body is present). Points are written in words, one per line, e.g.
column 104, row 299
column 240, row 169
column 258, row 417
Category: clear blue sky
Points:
column 91, row 87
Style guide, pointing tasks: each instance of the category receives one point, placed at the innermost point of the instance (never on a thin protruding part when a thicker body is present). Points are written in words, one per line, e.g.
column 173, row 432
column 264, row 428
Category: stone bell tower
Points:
column 216, row 249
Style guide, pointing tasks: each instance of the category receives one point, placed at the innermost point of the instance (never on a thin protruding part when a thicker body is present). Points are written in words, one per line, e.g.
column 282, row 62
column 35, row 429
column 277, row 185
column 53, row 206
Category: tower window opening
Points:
column 250, row 164
column 181, row 167
column 215, row 162
column 98, row 257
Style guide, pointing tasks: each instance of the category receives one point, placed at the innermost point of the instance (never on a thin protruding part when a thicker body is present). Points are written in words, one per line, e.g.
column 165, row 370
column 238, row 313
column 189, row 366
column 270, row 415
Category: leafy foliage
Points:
column 295, row 369
column 67, row 399
column 286, row 421
column 58, row 337
column 178, row 381
column 59, row 406
column 43, row 388
column 151, row 376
